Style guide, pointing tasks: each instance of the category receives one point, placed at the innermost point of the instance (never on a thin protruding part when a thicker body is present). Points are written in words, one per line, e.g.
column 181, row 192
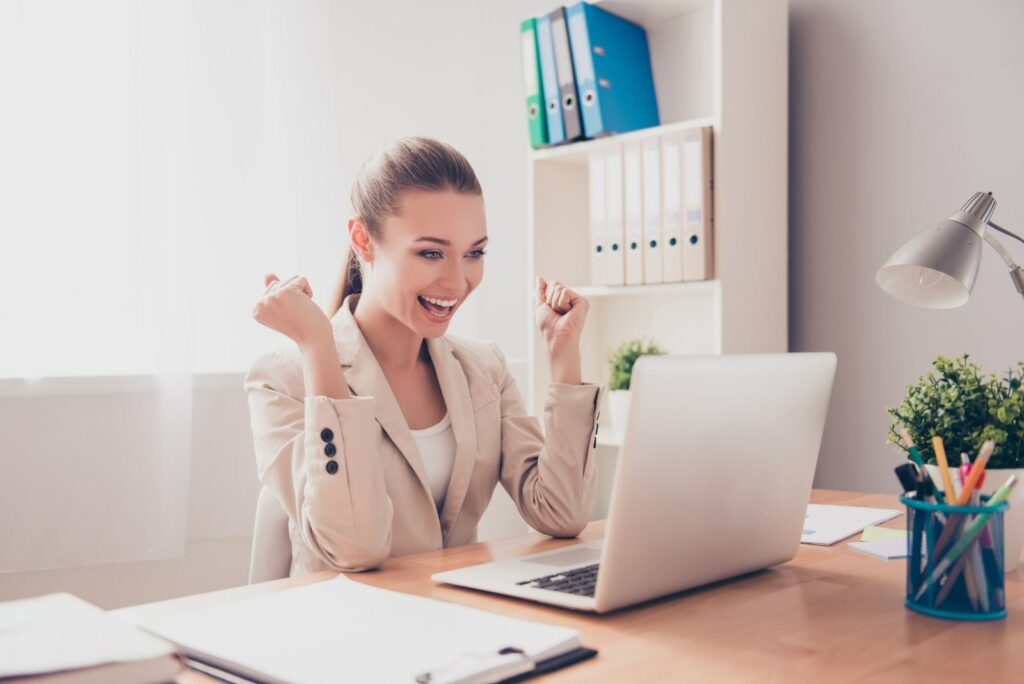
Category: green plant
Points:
column 622, row 358
column 965, row 408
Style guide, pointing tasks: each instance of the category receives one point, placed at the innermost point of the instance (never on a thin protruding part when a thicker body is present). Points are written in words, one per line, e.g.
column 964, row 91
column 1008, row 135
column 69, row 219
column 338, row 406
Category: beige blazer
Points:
column 376, row 502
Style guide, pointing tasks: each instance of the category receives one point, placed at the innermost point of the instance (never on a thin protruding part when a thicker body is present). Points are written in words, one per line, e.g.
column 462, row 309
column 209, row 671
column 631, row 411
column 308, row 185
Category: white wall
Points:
column 341, row 78
column 900, row 111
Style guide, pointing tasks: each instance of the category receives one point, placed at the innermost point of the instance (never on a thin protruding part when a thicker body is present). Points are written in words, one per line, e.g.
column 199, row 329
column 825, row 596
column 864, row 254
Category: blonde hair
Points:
column 410, row 163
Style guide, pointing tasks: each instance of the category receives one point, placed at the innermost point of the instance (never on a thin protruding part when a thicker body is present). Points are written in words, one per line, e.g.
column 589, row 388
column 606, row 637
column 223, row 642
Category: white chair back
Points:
column 271, row 548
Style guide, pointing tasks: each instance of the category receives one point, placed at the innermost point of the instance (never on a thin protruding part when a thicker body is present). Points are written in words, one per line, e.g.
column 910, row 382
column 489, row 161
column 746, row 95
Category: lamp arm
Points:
column 1016, row 274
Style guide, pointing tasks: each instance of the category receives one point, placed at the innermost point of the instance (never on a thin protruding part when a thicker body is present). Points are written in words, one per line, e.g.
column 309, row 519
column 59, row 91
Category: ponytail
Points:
column 351, row 281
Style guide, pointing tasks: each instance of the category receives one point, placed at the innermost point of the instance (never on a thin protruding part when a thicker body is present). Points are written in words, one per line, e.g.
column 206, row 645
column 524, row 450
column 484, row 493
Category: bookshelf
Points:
column 719, row 63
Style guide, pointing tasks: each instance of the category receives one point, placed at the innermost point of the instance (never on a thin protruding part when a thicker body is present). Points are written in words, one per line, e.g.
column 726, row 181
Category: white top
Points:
column 437, row 451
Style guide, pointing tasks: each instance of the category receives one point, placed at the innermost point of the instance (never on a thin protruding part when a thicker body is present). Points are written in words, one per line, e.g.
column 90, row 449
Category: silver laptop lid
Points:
column 715, row 472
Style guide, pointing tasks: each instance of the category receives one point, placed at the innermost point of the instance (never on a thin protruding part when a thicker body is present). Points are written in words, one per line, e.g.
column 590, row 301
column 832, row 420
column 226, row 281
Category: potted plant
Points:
column 621, row 360
column 965, row 408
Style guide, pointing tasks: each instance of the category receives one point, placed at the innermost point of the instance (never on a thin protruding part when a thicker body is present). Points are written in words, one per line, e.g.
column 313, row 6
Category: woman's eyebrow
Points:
column 446, row 242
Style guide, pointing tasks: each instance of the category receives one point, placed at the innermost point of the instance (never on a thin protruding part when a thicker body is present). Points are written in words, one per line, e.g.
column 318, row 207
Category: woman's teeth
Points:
column 437, row 309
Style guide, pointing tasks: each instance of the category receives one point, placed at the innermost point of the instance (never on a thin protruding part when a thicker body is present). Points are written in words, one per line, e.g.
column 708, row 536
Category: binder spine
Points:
column 549, row 81
column 651, row 156
column 633, row 213
column 566, row 76
column 698, row 212
column 598, row 256
column 614, row 218
column 535, row 114
column 672, row 219
column 583, row 60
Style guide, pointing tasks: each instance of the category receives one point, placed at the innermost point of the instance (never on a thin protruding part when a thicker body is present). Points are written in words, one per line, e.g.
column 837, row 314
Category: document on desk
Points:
column 61, row 638
column 825, row 524
column 343, row 630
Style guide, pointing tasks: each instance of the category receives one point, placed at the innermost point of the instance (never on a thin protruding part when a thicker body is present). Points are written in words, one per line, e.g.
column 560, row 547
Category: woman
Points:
column 379, row 434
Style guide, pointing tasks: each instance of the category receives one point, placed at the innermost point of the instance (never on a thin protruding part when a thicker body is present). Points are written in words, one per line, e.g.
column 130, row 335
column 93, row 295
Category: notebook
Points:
column 60, row 637
column 344, row 630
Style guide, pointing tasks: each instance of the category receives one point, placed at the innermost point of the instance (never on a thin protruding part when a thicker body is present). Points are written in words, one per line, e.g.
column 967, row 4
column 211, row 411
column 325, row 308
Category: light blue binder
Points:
column 549, row 81
column 613, row 71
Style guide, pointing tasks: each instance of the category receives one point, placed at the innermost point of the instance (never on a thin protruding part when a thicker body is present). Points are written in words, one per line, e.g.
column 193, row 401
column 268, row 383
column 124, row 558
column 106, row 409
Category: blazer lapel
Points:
column 365, row 378
column 455, row 388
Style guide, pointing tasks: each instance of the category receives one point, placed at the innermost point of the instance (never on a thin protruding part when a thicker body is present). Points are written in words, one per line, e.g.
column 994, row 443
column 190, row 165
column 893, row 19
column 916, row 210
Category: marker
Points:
column 915, row 456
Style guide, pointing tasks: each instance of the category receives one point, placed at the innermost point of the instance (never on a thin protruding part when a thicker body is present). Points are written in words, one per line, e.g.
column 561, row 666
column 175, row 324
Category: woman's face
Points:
column 430, row 257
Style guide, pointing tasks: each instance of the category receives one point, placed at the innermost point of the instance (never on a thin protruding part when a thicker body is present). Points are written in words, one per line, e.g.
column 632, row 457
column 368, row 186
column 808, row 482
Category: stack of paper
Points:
column 59, row 637
column 341, row 630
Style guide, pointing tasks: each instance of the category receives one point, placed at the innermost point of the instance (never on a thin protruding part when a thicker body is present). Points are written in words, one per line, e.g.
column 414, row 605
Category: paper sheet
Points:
column 344, row 630
column 62, row 632
column 826, row 524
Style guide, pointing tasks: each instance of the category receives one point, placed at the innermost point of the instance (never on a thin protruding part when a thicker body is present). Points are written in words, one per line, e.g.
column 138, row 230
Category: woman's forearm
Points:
column 566, row 365
column 322, row 371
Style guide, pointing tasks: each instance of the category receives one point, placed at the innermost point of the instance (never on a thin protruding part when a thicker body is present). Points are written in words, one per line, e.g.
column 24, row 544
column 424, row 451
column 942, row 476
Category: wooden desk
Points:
column 831, row 614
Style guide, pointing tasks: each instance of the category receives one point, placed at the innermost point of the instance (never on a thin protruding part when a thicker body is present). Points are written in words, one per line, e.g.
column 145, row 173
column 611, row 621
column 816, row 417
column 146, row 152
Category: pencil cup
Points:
column 955, row 568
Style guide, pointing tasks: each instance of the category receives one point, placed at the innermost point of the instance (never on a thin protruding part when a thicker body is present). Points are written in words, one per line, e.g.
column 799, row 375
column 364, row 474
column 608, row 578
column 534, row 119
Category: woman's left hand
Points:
column 560, row 315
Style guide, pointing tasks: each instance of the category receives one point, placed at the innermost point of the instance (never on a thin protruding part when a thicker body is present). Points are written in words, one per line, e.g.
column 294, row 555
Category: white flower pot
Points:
column 1013, row 523
column 618, row 408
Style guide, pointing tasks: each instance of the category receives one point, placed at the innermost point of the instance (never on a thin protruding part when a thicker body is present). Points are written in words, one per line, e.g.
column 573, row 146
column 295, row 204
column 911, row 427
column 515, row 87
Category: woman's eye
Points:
column 431, row 253
column 477, row 254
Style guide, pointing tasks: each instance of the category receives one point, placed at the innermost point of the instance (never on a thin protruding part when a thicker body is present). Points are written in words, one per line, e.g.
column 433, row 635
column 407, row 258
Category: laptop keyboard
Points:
column 579, row 581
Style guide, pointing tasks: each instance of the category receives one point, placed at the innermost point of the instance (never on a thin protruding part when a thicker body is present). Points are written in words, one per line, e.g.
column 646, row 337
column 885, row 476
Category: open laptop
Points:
column 712, row 481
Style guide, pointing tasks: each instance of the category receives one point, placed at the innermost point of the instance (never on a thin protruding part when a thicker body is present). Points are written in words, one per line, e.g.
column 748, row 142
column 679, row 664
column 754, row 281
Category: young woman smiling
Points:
column 381, row 435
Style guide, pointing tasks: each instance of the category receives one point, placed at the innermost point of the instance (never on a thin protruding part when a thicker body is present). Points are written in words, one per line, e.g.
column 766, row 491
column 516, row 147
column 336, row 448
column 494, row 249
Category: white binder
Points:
column 633, row 213
column 596, row 170
column 651, row 161
column 698, row 205
column 615, row 230
column 671, row 208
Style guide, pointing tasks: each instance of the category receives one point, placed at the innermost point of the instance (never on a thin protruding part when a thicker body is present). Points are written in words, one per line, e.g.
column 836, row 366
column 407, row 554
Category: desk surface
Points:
column 831, row 613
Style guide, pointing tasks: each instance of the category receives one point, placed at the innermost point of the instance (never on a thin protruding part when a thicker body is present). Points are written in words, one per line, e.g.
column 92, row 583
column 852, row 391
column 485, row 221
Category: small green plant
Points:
column 965, row 408
column 622, row 358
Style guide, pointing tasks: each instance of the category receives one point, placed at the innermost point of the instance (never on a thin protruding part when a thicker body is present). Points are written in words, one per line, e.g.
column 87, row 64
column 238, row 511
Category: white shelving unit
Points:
column 719, row 63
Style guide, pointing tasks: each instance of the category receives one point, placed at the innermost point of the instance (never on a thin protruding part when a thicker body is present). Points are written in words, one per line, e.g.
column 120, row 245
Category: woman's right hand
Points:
column 287, row 306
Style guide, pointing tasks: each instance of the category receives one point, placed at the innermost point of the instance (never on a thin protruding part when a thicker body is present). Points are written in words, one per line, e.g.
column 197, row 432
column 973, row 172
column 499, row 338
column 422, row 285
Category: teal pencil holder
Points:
column 955, row 567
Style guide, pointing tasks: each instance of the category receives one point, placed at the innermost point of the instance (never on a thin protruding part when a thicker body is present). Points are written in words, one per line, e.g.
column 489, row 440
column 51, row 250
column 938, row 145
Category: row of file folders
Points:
column 652, row 210
column 587, row 73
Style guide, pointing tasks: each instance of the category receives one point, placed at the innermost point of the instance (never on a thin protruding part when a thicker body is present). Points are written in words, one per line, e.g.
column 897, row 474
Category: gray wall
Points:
column 899, row 112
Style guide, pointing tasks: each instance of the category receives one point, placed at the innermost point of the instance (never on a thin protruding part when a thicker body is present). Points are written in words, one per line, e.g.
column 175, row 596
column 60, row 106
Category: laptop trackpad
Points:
column 567, row 557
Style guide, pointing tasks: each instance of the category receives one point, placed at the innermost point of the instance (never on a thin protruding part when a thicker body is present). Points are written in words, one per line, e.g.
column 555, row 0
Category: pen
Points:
column 977, row 469
column 940, row 458
column 970, row 533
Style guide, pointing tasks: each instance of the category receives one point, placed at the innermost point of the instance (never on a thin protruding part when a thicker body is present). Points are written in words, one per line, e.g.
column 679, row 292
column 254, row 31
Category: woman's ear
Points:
column 359, row 238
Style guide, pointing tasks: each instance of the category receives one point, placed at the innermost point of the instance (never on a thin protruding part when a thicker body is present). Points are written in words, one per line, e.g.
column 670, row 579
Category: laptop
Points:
column 712, row 481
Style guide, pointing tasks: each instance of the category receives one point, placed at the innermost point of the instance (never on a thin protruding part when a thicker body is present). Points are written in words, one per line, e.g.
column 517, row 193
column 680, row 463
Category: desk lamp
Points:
column 937, row 269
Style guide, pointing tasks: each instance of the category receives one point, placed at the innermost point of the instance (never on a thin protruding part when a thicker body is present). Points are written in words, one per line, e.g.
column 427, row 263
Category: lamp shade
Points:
column 937, row 269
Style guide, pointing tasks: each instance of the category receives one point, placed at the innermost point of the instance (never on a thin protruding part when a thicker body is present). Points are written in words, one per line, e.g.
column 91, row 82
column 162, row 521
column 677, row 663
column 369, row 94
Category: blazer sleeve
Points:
column 551, row 474
column 344, row 514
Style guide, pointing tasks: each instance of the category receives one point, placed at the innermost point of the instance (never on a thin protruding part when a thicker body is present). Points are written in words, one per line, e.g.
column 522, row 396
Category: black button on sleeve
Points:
column 326, row 434
column 330, row 450
column 332, row 467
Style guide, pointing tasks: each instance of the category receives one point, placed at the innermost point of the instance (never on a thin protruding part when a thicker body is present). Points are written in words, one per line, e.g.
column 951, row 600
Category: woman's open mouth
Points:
column 437, row 309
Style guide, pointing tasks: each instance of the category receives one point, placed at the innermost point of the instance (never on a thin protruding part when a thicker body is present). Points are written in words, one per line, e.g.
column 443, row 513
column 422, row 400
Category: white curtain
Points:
column 137, row 156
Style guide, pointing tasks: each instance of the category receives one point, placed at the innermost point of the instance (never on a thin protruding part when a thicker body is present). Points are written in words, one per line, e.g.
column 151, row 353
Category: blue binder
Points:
column 549, row 81
column 613, row 71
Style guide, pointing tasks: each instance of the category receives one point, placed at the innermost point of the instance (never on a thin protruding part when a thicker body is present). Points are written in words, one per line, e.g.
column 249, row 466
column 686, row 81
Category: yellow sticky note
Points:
column 875, row 533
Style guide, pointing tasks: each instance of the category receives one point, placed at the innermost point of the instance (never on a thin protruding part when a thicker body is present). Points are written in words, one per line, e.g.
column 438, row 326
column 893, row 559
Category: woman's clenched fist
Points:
column 287, row 306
